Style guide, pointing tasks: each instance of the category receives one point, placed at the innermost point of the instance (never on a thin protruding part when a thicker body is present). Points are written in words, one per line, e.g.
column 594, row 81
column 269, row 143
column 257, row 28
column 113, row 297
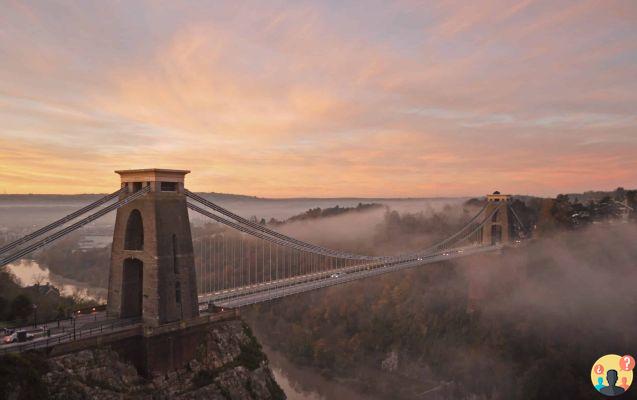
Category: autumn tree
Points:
column 21, row 307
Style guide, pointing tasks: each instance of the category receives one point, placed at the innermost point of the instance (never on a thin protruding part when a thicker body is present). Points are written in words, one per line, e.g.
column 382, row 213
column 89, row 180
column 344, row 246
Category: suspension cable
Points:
column 287, row 244
column 314, row 248
column 518, row 219
column 71, row 228
column 271, row 232
column 450, row 238
column 61, row 221
column 244, row 229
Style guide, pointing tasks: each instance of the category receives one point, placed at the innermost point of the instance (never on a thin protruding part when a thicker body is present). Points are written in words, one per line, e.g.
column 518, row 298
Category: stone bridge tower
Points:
column 152, row 271
column 498, row 229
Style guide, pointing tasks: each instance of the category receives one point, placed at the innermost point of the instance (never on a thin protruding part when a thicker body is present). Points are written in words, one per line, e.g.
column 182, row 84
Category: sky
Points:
column 320, row 98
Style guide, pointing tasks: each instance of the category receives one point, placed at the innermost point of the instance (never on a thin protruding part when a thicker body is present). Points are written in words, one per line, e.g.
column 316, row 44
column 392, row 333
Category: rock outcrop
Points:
column 229, row 365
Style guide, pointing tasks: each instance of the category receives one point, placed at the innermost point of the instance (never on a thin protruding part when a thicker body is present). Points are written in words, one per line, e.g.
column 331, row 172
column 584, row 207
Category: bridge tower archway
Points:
column 152, row 252
column 132, row 288
column 134, row 238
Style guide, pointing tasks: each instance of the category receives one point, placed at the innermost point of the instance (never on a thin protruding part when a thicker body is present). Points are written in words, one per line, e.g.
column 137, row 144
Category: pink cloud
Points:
column 446, row 98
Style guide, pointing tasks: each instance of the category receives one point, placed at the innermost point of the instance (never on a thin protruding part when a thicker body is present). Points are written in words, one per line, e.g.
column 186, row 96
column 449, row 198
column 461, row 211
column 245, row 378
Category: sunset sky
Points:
column 323, row 98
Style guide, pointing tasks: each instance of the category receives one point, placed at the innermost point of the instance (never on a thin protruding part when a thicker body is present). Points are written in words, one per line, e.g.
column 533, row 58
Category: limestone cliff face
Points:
column 229, row 365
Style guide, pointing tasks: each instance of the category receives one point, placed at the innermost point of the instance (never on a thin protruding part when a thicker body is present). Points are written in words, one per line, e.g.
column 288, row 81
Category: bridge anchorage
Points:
column 165, row 288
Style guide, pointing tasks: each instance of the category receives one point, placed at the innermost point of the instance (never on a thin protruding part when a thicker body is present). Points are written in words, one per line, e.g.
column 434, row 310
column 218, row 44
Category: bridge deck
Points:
column 252, row 294
column 107, row 331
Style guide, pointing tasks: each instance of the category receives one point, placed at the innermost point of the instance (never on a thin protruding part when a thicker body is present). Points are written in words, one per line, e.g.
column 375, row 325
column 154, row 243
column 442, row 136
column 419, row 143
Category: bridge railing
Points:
column 69, row 336
column 59, row 324
column 328, row 275
column 287, row 290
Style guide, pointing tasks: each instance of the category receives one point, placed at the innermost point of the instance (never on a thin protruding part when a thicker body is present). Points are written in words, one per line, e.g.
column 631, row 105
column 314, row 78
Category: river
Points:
column 301, row 383
column 29, row 272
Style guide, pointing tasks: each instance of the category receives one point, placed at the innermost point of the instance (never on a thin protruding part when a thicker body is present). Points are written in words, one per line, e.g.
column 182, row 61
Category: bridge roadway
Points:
column 242, row 296
column 83, row 327
column 100, row 329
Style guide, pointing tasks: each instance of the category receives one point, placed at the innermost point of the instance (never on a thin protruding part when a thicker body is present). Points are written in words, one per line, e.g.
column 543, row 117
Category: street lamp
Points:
column 35, row 315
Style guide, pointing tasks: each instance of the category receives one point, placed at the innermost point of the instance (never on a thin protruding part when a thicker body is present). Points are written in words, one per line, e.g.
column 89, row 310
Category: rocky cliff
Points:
column 229, row 365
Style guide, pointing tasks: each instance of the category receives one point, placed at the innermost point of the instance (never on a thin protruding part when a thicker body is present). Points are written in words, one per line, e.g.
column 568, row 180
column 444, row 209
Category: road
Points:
column 83, row 326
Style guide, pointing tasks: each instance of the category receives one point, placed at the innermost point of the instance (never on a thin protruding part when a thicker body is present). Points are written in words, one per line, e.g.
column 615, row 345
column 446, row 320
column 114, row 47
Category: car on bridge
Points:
column 9, row 337
column 5, row 332
column 17, row 336
column 335, row 275
column 24, row 335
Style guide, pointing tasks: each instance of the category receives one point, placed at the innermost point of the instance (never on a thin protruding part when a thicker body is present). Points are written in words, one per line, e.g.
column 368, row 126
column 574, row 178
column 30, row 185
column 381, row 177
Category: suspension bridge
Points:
column 160, row 276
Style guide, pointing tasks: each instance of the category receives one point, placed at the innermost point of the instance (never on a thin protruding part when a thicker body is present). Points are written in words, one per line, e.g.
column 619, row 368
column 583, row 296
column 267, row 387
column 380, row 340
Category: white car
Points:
column 12, row 338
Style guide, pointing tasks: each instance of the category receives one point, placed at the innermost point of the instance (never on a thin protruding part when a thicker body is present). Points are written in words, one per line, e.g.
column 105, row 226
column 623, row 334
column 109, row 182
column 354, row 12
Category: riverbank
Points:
column 302, row 383
column 30, row 272
column 21, row 305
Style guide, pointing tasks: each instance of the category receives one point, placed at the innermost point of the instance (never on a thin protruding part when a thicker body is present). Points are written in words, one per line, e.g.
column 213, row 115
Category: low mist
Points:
column 383, row 230
column 527, row 323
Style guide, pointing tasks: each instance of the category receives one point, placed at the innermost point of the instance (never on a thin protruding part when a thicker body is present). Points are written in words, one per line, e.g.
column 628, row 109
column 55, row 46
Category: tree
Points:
column 620, row 194
column 631, row 197
column 21, row 307
column 61, row 312
column 562, row 210
column 527, row 215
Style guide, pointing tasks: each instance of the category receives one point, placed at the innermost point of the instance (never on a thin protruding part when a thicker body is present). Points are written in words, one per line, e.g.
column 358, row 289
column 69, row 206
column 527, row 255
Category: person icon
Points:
column 600, row 383
column 624, row 384
column 612, row 389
